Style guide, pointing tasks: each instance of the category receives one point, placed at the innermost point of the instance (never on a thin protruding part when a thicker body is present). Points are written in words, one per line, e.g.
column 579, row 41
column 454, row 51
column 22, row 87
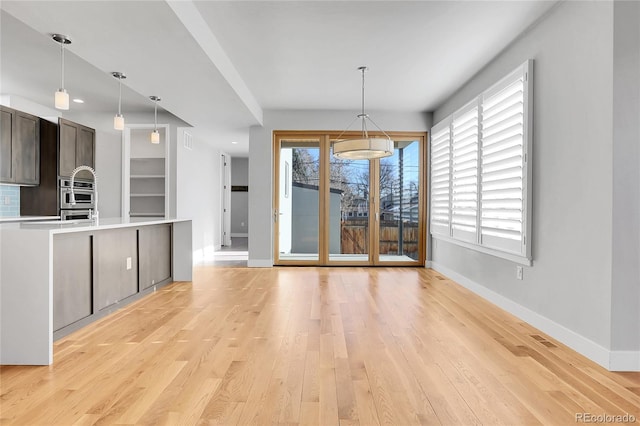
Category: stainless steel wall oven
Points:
column 84, row 194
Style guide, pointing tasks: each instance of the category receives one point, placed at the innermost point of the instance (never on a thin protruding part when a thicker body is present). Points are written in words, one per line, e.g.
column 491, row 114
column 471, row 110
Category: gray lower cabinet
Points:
column 92, row 271
column 116, row 266
column 155, row 254
column 72, row 279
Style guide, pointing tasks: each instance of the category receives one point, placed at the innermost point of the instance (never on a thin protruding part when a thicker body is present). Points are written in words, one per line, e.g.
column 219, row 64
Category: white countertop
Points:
column 9, row 219
column 63, row 227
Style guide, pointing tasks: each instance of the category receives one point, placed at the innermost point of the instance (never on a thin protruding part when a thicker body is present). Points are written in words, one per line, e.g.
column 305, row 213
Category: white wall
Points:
column 261, row 160
column 625, row 303
column 198, row 195
column 568, row 290
column 239, row 200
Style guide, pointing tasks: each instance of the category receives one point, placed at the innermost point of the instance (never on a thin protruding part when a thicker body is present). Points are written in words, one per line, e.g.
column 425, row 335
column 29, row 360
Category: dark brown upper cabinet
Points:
column 19, row 147
column 76, row 148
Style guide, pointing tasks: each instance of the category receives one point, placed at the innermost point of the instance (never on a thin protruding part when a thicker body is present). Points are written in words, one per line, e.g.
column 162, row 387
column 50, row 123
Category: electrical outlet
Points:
column 242, row 224
column 519, row 272
column 128, row 263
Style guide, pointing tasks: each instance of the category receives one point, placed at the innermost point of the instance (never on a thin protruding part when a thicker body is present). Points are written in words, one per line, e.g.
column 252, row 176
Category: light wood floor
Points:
column 322, row 346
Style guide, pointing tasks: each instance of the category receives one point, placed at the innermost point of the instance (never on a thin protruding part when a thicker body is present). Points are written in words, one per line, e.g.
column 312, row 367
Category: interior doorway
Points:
column 329, row 211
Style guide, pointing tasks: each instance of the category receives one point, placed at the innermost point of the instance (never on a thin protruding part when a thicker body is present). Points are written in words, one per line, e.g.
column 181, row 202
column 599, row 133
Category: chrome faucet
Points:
column 93, row 214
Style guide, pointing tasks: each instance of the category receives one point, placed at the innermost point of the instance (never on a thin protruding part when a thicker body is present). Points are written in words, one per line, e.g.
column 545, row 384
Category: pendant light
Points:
column 364, row 148
column 61, row 96
column 118, row 120
column 155, row 135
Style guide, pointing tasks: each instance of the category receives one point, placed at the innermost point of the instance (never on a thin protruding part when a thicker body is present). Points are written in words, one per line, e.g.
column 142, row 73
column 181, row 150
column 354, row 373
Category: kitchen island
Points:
column 56, row 277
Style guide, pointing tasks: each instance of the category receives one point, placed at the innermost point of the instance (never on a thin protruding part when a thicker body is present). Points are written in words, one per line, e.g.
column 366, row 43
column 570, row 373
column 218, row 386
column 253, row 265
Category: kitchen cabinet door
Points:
column 85, row 147
column 115, row 266
column 154, row 254
column 67, row 149
column 6, row 148
column 19, row 147
column 77, row 148
column 72, row 279
column 26, row 149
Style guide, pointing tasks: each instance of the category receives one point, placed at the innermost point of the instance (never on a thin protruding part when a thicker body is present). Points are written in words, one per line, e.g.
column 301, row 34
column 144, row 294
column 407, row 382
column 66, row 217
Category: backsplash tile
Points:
column 9, row 200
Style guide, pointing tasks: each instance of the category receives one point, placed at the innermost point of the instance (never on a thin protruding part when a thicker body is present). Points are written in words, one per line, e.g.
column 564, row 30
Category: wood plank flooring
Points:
column 327, row 346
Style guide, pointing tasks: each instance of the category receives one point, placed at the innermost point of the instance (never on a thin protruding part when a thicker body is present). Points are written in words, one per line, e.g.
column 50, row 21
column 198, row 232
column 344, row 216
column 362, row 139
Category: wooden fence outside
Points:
column 354, row 236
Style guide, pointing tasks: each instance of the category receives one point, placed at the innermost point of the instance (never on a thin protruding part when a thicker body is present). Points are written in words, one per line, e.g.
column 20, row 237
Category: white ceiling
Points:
column 218, row 64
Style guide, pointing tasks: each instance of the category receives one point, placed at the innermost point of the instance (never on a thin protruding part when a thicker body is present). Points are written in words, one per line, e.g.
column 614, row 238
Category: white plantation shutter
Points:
column 480, row 171
column 464, row 173
column 440, row 178
column 502, row 162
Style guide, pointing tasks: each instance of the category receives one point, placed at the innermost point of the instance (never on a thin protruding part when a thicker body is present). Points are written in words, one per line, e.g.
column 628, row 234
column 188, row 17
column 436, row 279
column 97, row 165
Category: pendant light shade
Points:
column 61, row 99
column 364, row 148
column 155, row 135
column 118, row 120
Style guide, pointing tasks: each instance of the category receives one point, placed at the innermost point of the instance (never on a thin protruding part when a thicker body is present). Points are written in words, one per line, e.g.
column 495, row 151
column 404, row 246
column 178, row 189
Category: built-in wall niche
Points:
column 146, row 176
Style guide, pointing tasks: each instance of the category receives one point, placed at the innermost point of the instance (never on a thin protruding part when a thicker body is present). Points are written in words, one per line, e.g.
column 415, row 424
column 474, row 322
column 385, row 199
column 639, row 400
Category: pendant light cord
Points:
column 62, row 65
column 363, row 116
column 119, row 95
column 155, row 116
column 363, row 69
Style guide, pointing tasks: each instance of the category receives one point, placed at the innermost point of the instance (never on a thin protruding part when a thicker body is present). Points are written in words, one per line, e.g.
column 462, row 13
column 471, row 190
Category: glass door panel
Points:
column 399, row 195
column 349, row 192
column 299, row 200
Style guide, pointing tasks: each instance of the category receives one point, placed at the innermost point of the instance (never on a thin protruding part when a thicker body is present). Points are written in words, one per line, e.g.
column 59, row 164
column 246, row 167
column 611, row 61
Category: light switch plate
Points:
column 128, row 263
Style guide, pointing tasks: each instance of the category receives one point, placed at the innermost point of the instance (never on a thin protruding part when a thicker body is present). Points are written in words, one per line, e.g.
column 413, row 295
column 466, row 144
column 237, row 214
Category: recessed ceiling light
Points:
column 234, row 143
column 78, row 101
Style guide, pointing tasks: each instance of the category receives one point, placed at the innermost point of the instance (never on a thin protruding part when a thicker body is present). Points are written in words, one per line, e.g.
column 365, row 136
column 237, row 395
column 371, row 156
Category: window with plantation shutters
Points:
column 464, row 173
column 502, row 165
column 481, row 155
column 440, row 179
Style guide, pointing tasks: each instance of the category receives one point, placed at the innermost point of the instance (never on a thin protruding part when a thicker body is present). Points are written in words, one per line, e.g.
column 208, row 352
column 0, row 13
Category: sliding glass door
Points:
column 329, row 211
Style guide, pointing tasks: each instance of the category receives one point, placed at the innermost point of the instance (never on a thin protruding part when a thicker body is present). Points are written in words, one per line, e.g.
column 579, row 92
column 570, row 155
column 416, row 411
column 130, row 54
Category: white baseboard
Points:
column 427, row 264
column 259, row 263
column 624, row 361
column 239, row 235
column 611, row 360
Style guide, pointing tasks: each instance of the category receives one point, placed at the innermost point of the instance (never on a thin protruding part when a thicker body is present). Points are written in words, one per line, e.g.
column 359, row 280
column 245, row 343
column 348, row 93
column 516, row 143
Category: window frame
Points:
column 523, row 255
